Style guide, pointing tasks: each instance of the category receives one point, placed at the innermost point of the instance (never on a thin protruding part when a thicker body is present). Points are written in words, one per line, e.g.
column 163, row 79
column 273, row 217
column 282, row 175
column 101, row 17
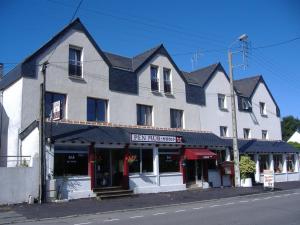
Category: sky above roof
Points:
column 185, row 28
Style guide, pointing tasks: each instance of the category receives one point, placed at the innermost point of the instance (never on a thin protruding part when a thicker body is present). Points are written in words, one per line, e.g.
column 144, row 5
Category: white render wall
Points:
column 30, row 145
column 11, row 122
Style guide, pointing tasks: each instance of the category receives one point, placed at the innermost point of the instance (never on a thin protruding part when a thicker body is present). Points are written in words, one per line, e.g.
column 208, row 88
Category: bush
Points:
column 295, row 145
column 247, row 167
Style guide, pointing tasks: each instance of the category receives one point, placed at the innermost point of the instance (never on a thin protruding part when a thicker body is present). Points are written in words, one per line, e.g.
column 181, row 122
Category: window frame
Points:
column 182, row 118
column 247, row 133
column 80, row 49
column 262, row 134
column 224, row 101
column 140, row 158
column 63, row 106
column 96, row 102
column 224, row 128
column 263, row 108
column 167, row 82
column 170, row 152
column 138, row 114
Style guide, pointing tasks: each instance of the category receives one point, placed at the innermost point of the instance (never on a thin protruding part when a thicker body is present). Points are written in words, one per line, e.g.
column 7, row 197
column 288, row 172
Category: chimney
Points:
column 1, row 70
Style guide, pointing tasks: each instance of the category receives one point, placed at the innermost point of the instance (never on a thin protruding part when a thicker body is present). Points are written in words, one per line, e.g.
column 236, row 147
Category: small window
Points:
column 247, row 133
column 169, row 160
column 264, row 134
column 75, row 62
column 222, row 102
column 144, row 115
column 167, row 81
column 141, row 161
column 96, row 110
column 52, row 98
column 290, row 159
column 263, row 110
column 154, row 78
column 223, row 131
column 176, row 118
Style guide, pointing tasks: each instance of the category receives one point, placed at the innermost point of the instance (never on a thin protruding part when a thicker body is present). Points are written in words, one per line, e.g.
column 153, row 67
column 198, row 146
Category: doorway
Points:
column 108, row 167
column 194, row 171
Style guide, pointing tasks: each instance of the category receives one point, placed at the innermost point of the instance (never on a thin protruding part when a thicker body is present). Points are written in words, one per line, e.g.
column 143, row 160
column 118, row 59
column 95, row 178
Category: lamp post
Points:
column 237, row 179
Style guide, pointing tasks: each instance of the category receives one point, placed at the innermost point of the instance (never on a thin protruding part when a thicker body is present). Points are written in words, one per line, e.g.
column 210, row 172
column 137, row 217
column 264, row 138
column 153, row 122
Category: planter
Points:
column 246, row 182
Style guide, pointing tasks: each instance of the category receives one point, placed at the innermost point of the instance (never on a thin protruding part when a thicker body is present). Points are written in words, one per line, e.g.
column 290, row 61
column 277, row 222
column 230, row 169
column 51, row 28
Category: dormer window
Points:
column 154, row 79
column 75, row 62
column 167, row 81
column 246, row 105
column 263, row 110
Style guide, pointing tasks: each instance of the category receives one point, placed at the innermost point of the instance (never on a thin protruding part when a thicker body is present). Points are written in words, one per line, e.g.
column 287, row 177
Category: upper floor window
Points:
column 167, row 81
column 222, row 101
column 144, row 115
column 247, row 133
column 262, row 107
column 223, row 131
column 246, row 105
column 176, row 118
column 154, row 78
column 57, row 100
column 96, row 110
column 264, row 134
column 75, row 62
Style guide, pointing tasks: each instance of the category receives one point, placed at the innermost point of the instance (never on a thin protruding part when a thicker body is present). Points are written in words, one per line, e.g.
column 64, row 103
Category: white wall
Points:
column 30, row 145
column 295, row 137
column 11, row 123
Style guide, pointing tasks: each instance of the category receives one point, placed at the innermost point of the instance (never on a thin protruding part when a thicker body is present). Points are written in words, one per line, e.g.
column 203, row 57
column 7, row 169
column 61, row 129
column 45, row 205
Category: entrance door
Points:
column 190, row 172
column 108, row 167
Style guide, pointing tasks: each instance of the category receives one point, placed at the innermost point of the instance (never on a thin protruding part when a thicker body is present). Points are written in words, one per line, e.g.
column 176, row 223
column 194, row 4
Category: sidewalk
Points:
column 91, row 206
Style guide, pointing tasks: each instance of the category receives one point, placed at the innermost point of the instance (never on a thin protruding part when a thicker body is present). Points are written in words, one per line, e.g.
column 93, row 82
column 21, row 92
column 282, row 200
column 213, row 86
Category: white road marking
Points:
column 277, row 196
column 244, row 201
column 256, row 199
column 212, row 206
column 286, row 194
column 133, row 217
column 161, row 213
column 82, row 223
column 267, row 198
column 182, row 210
column 111, row 220
column 198, row 208
column 230, row 203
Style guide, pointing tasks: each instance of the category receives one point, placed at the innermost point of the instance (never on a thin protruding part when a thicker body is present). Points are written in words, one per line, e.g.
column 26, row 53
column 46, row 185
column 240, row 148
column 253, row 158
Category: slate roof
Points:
column 247, row 85
column 262, row 146
column 78, row 133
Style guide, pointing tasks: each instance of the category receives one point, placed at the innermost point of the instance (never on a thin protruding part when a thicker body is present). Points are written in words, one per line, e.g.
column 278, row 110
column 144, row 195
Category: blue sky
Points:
column 130, row 27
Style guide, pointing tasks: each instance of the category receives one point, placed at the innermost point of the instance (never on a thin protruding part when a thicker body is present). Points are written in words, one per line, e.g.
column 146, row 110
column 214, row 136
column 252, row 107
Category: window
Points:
column 247, row 133
column 263, row 110
column 167, row 81
column 75, row 62
column 263, row 163
column 50, row 98
column 222, row 101
column 223, row 131
column 176, row 118
column 96, row 109
column 169, row 160
column 264, row 134
column 290, row 160
column 154, row 78
column 70, row 162
column 278, row 163
column 246, row 105
column 142, row 161
column 144, row 115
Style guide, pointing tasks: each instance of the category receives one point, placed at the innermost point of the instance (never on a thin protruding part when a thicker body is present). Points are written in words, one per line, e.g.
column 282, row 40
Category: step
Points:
column 101, row 197
column 114, row 192
column 103, row 189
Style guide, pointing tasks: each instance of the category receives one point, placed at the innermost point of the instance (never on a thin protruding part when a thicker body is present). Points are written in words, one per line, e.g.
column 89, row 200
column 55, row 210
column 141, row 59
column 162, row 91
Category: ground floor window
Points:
column 290, row 159
column 278, row 163
column 264, row 163
column 169, row 160
column 140, row 161
column 70, row 162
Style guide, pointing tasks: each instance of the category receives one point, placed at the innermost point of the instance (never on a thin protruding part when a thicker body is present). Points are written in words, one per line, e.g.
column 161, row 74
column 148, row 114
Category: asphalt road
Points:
column 276, row 208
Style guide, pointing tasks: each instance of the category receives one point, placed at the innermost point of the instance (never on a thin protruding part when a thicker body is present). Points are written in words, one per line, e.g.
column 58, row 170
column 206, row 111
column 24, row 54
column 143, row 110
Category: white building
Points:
column 138, row 122
column 295, row 137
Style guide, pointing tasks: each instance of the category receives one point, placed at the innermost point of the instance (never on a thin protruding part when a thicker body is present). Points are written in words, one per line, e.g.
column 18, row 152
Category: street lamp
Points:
column 237, row 179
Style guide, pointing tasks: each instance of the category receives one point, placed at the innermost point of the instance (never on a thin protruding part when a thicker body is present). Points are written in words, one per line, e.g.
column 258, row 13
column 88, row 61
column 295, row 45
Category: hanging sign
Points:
column 155, row 138
column 268, row 178
column 56, row 110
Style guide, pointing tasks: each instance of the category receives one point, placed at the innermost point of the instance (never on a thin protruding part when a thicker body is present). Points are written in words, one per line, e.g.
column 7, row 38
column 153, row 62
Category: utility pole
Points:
column 42, row 187
column 235, row 148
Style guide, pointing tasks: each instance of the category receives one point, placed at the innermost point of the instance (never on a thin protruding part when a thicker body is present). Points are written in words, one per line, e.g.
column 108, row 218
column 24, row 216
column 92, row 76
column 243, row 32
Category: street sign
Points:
column 56, row 110
column 268, row 179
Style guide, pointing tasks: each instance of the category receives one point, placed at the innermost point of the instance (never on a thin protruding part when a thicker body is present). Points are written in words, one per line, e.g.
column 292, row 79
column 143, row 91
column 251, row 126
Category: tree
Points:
column 289, row 125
